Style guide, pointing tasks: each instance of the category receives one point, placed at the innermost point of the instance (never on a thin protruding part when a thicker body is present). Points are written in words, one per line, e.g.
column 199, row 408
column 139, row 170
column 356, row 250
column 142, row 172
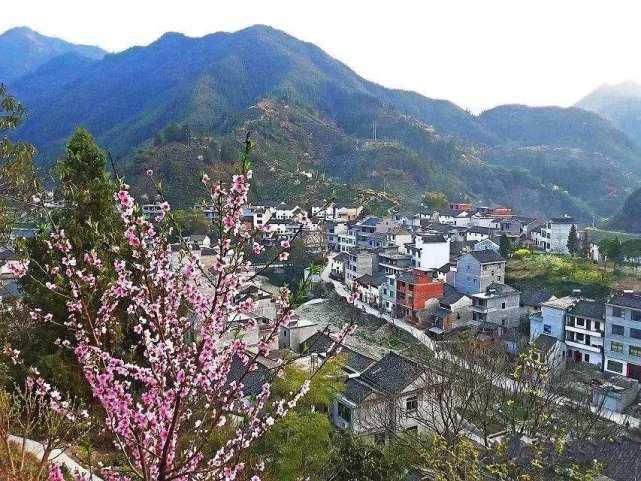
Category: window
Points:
column 580, row 322
column 503, row 305
column 344, row 412
column 597, row 326
column 615, row 366
column 587, row 358
column 579, row 337
column 635, row 333
column 616, row 347
column 636, row 316
column 411, row 403
column 617, row 312
column 547, row 328
column 635, row 351
column 618, row 330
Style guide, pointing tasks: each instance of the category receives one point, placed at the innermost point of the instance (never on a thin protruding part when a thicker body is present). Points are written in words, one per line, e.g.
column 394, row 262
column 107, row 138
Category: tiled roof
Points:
column 433, row 238
column 450, row 295
column 321, row 343
column 356, row 390
column 562, row 220
column 253, row 380
column 487, row 256
column 534, row 297
column 625, row 299
column 476, row 229
column 500, row 289
column 341, row 257
column 587, row 308
column 544, row 342
column 392, row 374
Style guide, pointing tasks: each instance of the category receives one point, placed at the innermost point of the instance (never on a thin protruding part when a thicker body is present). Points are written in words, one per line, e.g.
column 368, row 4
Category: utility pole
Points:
column 374, row 129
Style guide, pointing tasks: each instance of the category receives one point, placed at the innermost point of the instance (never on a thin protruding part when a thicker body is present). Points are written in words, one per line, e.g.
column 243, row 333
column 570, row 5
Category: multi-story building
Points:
column 346, row 239
column 413, row 289
column 429, row 251
column 334, row 229
column 499, row 304
column 584, row 332
column 551, row 320
column 553, row 237
column 391, row 261
column 388, row 294
column 476, row 270
column 622, row 341
column 360, row 262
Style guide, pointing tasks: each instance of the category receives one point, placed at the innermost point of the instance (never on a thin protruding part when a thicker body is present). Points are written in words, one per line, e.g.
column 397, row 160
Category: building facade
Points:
column 622, row 341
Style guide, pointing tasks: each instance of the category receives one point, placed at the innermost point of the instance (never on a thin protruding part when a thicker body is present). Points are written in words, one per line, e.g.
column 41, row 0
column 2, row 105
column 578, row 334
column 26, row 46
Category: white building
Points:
column 554, row 235
column 429, row 251
column 584, row 332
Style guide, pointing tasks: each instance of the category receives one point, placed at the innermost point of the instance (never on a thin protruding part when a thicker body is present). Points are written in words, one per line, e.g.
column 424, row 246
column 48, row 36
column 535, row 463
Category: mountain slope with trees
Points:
column 311, row 113
column 620, row 104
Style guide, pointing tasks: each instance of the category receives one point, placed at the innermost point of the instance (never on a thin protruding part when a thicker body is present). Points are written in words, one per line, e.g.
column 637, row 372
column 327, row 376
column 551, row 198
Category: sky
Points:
column 477, row 53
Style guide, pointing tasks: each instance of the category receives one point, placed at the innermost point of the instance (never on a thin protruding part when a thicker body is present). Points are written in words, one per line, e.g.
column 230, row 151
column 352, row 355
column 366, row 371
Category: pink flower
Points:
column 55, row 473
column 19, row 269
column 149, row 172
column 284, row 244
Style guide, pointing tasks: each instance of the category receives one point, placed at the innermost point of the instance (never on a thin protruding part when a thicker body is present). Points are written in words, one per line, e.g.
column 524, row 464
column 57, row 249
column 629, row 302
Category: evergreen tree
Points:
column 584, row 250
column 90, row 222
column 573, row 241
column 505, row 246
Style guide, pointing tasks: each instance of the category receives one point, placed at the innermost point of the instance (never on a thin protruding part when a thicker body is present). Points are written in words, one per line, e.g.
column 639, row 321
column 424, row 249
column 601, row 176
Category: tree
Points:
column 17, row 178
column 611, row 249
column 89, row 221
column 573, row 241
column 584, row 250
column 355, row 459
column 505, row 246
column 299, row 445
column 434, row 200
column 168, row 399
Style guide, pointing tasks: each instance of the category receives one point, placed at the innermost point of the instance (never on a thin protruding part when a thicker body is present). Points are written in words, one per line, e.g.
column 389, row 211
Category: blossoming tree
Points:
column 180, row 385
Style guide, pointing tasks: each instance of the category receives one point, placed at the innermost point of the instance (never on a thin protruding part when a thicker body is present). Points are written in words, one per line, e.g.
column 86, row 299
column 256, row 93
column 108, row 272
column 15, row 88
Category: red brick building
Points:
column 413, row 289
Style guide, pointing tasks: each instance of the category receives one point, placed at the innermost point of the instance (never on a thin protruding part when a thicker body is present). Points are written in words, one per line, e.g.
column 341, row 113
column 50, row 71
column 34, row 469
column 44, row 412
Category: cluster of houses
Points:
column 605, row 335
column 440, row 271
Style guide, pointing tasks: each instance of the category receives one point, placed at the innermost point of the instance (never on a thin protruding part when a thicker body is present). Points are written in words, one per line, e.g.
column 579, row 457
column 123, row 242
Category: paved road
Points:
column 504, row 382
column 57, row 456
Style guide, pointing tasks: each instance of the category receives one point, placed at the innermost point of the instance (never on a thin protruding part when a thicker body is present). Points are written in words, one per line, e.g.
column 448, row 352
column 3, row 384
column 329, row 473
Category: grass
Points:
column 597, row 235
column 560, row 274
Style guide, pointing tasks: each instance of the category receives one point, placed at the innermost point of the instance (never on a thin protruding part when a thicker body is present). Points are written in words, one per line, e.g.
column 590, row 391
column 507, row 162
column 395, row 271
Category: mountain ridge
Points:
column 290, row 92
column 23, row 50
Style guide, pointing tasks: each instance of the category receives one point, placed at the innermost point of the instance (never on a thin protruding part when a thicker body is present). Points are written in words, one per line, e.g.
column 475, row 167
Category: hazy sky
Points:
column 477, row 53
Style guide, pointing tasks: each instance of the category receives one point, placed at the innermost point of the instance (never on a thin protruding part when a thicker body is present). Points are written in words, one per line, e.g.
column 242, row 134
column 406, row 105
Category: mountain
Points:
column 628, row 219
column 22, row 51
column 619, row 103
column 309, row 113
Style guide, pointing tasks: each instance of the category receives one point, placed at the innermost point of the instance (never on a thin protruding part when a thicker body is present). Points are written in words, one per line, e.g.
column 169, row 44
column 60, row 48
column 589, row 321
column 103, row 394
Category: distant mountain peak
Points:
column 23, row 50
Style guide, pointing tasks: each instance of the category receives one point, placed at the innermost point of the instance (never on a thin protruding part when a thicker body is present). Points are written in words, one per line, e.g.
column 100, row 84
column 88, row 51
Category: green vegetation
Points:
column 561, row 274
column 313, row 116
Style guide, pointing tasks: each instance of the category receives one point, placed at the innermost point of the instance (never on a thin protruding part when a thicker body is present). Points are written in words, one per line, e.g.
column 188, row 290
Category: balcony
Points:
column 583, row 346
column 582, row 330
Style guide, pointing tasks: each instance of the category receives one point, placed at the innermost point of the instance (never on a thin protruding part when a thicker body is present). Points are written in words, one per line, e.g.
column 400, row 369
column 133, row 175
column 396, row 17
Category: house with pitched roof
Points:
column 498, row 304
column 476, row 270
column 383, row 399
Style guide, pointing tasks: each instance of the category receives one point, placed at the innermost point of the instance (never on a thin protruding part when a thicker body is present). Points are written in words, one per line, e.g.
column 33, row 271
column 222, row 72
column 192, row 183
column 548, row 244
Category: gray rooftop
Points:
column 487, row 256
column 587, row 308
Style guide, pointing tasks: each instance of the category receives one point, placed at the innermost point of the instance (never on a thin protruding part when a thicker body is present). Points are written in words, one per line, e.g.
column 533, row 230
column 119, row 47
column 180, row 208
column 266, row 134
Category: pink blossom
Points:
column 19, row 269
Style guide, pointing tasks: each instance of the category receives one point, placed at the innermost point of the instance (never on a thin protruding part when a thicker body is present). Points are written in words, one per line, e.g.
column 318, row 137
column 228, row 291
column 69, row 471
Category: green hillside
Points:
column 311, row 114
